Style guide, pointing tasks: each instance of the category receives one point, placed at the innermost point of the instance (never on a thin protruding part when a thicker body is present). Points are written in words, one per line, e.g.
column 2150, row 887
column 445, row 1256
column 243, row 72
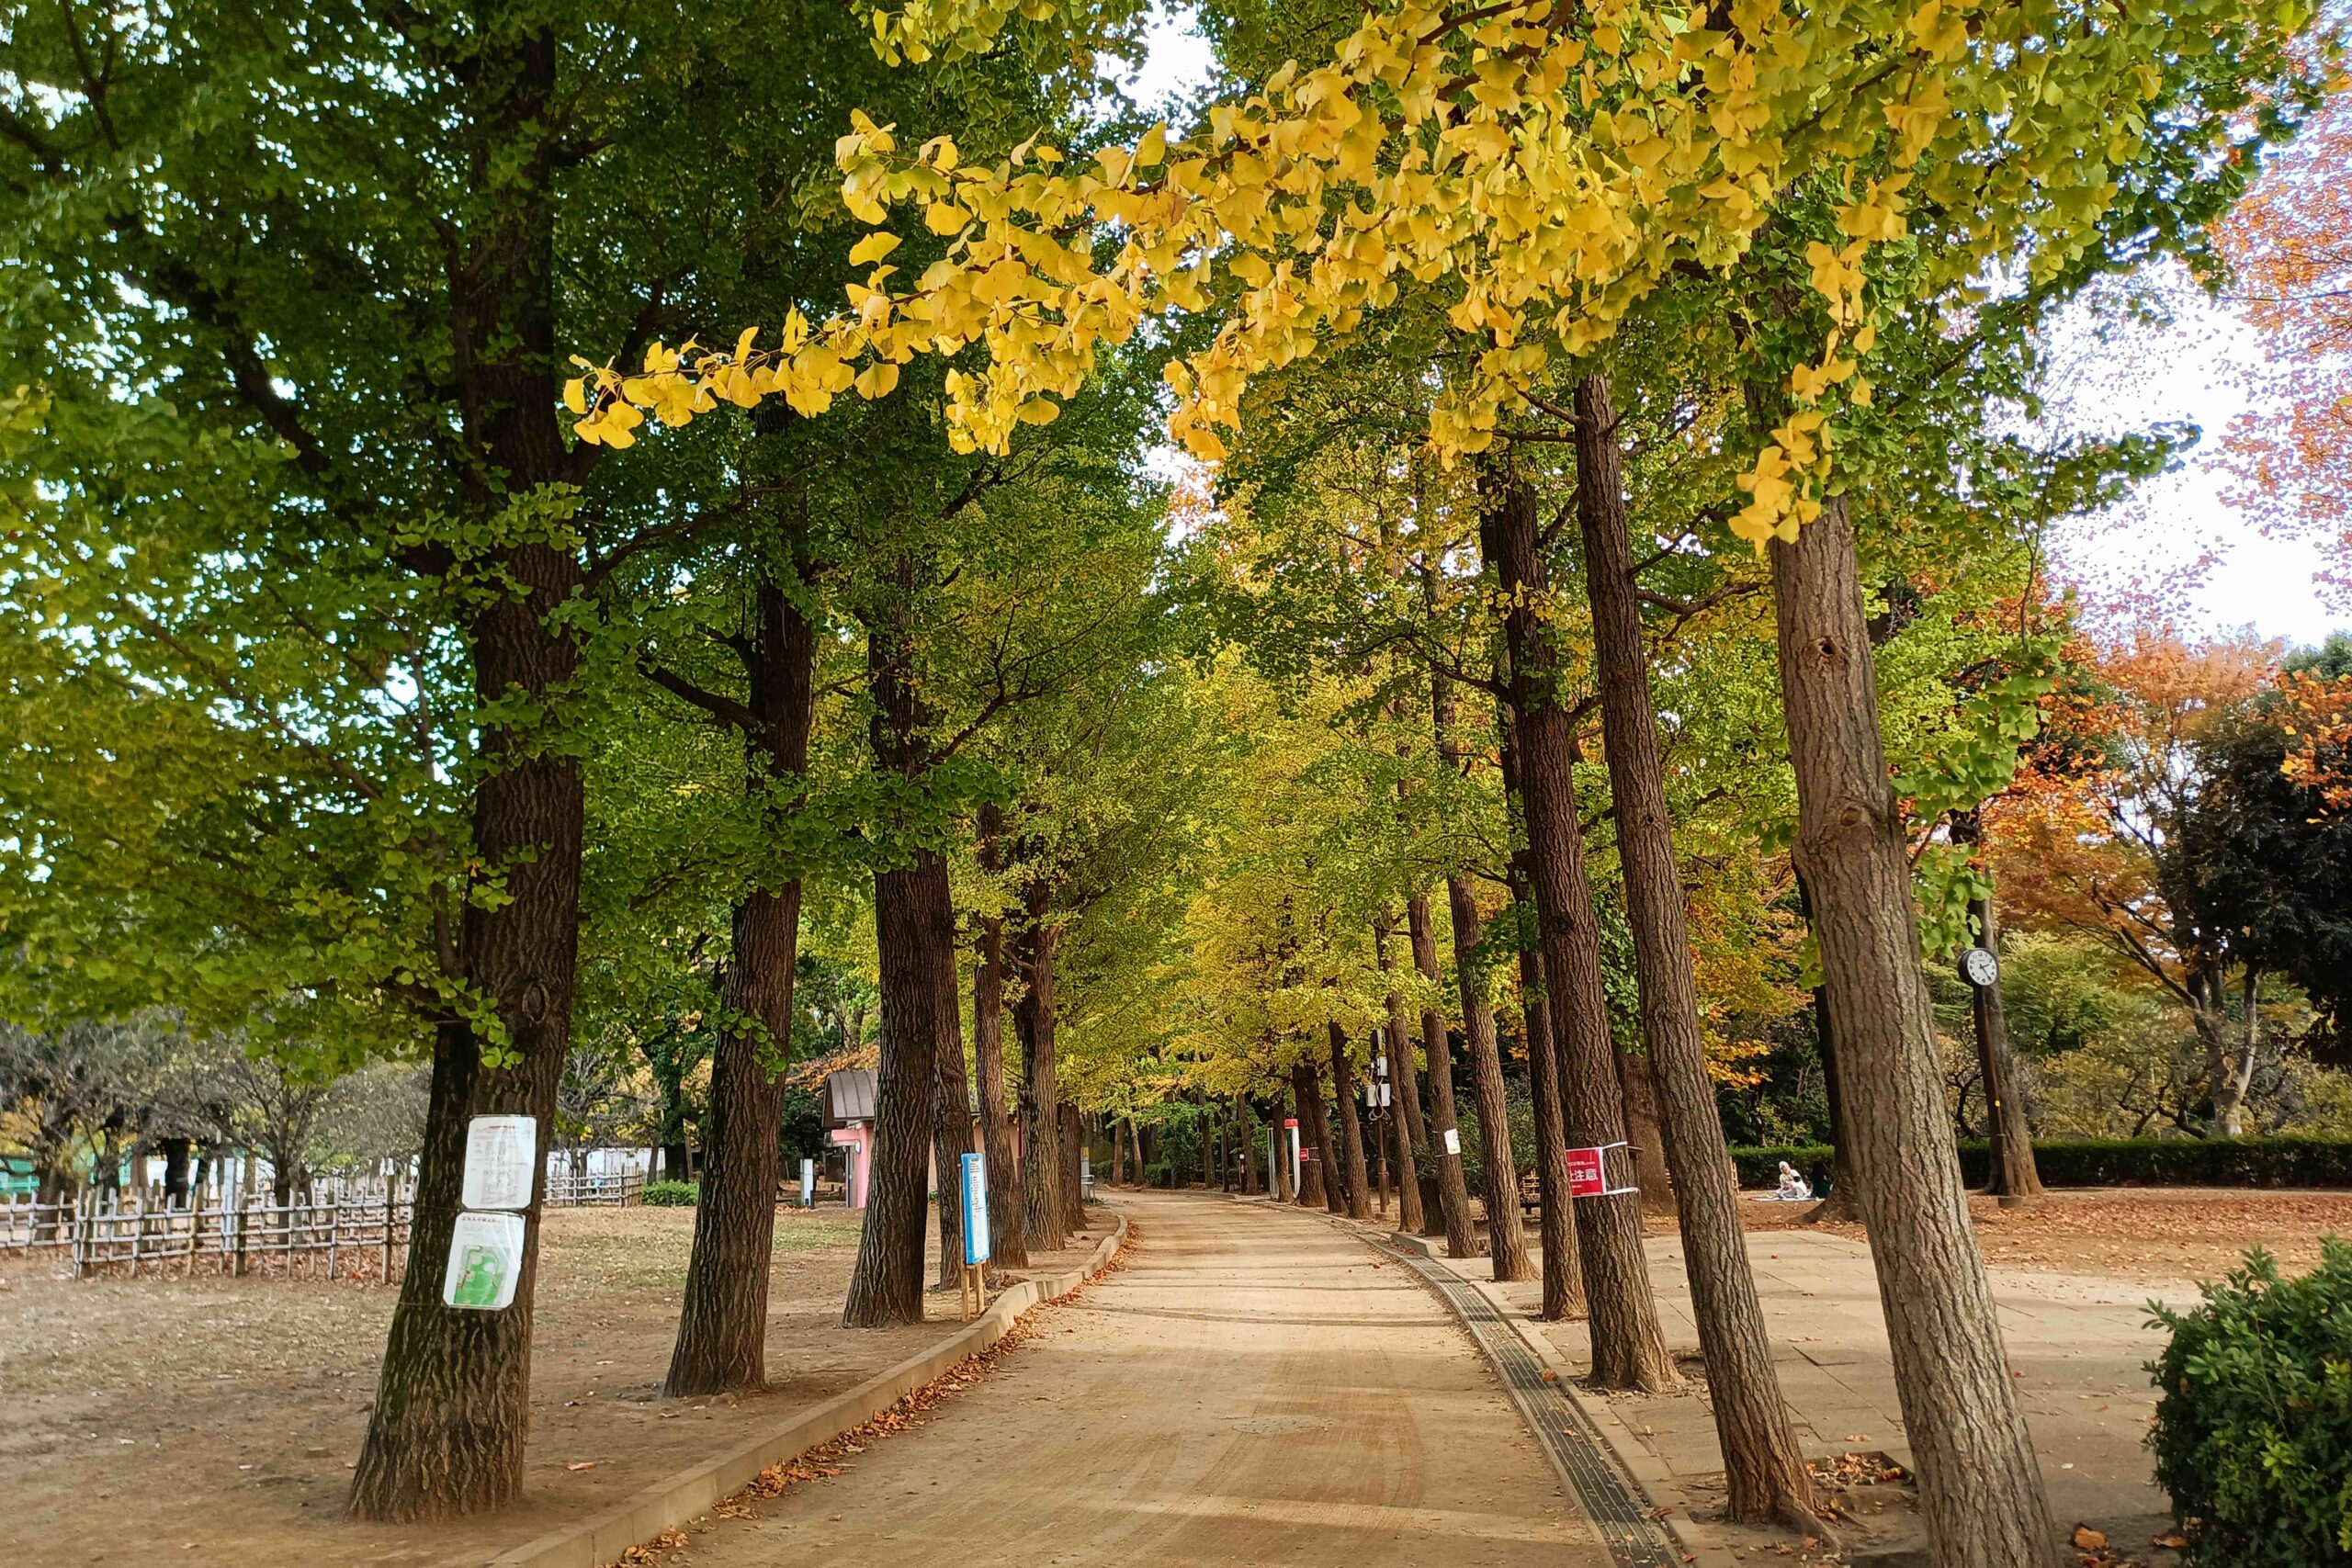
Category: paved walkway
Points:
column 1253, row 1388
column 2076, row 1342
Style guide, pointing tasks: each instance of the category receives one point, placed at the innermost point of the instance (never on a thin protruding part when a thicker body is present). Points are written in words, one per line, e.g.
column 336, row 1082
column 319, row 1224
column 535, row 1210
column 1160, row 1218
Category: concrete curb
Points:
column 666, row 1504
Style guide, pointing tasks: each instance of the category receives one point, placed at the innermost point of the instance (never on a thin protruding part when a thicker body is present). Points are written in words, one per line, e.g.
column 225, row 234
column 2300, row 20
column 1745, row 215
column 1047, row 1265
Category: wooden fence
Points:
column 617, row 1189
column 357, row 1236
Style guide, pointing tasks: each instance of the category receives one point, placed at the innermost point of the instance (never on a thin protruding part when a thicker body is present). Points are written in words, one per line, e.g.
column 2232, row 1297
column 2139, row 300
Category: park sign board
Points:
column 486, row 1244
column 502, row 1154
column 976, row 1210
column 485, row 1259
column 1588, row 1173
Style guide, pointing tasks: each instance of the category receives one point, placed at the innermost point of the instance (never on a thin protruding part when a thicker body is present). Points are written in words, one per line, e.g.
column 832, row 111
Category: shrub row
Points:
column 670, row 1194
column 2121, row 1162
column 2253, row 1435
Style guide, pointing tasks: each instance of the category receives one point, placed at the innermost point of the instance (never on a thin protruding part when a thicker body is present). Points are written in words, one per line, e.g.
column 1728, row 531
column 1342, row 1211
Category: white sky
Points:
column 2176, row 538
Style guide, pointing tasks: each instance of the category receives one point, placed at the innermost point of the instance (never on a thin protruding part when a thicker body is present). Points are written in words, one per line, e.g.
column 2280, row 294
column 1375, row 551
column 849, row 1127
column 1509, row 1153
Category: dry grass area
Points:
column 216, row 1420
column 2153, row 1235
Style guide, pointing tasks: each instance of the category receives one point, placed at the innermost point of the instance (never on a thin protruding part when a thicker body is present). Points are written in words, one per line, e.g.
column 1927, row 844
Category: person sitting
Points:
column 1794, row 1188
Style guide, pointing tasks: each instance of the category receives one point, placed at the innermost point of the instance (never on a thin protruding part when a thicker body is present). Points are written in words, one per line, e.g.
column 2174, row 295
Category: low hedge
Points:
column 2253, row 1434
column 670, row 1194
column 2121, row 1162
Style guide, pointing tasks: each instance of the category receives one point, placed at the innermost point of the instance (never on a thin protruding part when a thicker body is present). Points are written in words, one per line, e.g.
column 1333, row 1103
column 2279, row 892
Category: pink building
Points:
column 849, row 1123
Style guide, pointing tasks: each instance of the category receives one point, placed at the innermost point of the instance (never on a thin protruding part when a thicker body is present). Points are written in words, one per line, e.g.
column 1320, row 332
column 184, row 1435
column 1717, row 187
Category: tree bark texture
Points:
column 723, row 1314
column 914, row 923
column 1007, row 1237
column 1246, row 1143
column 446, row 1432
column 1034, row 1018
column 2014, row 1177
column 1844, row 1203
column 1980, row 1482
column 1073, row 1189
column 1628, row 1346
column 954, row 1135
column 1343, row 1095
column 1284, row 1189
column 1506, row 1237
column 1637, row 1091
column 1397, row 1050
column 1453, row 1193
column 1307, row 1093
column 1766, row 1472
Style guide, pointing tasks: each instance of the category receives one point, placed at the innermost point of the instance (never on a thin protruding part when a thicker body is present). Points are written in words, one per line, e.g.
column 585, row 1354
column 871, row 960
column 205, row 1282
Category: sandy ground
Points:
column 2157, row 1235
column 215, row 1420
column 1251, row 1389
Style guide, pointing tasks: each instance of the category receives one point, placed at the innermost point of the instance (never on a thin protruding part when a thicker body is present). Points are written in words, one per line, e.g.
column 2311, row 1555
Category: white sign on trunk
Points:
column 1453, row 1140
column 502, row 1153
column 485, row 1257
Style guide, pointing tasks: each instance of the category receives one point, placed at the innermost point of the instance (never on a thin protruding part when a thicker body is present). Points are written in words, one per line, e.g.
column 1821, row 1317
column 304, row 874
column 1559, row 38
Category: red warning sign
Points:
column 1587, row 1178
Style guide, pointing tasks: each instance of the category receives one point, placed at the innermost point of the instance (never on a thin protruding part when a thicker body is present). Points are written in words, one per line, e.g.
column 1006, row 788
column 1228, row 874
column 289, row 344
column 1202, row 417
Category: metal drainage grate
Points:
column 1635, row 1539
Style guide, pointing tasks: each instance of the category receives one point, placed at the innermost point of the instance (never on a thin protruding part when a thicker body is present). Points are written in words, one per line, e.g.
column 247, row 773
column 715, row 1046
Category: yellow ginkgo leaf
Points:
column 944, row 218
column 575, row 395
column 873, row 248
column 877, row 380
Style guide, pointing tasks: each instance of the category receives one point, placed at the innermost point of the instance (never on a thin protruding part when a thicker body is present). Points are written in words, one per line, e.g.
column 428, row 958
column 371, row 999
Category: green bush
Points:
column 671, row 1194
column 2254, row 1423
column 2123, row 1162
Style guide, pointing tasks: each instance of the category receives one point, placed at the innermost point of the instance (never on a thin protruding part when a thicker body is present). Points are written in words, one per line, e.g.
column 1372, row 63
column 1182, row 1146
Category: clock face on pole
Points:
column 1979, row 966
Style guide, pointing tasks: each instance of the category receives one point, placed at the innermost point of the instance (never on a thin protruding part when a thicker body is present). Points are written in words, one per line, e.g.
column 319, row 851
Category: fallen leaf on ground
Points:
column 2089, row 1540
column 583, row 1464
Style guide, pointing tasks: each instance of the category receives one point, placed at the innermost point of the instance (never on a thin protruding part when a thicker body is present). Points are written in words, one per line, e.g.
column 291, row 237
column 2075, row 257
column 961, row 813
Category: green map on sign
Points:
column 477, row 1284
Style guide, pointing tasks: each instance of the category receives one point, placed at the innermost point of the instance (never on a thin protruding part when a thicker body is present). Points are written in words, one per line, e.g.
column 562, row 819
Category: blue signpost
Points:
column 974, row 1171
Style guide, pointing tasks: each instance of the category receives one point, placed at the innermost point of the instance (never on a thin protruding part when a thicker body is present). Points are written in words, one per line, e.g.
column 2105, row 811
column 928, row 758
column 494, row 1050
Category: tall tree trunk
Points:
column 1035, row 1018
column 1073, row 1189
column 1844, row 1203
column 1637, row 1091
column 1246, row 1143
column 1284, row 1189
column 445, row 1434
column 1628, row 1346
column 1008, row 1237
column 953, row 1136
column 1207, row 1125
column 1765, row 1470
column 723, row 1315
column 1404, row 1109
column 1506, row 1237
column 2013, row 1176
column 446, row 1430
column 1564, row 1292
column 914, row 924
column 1343, row 1095
column 915, row 929
column 1306, row 1090
column 1453, row 1193
column 1980, row 1482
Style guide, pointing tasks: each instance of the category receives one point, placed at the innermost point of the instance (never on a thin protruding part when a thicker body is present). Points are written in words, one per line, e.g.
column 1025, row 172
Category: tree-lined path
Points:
column 1253, row 1388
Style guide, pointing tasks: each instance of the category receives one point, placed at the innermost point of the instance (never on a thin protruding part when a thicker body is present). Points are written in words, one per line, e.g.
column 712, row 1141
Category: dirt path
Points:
column 1253, row 1388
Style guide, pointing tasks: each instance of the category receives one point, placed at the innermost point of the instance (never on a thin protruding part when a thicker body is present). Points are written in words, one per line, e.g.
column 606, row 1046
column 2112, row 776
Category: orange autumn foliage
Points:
column 2316, row 715
column 2075, row 842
